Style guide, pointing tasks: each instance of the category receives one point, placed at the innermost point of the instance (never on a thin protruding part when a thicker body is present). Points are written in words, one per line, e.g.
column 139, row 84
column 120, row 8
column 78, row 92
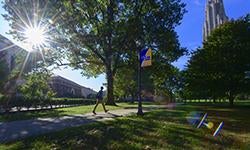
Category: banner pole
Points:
column 140, row 112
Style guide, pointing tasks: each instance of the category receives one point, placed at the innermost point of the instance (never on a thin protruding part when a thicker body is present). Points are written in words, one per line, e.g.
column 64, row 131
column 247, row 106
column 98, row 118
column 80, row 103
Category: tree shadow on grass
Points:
column 12, row 131
column 236, row 119
column 158, row 129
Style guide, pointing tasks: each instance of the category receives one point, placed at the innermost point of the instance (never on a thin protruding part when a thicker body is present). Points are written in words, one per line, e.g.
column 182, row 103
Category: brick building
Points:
column 67, row 88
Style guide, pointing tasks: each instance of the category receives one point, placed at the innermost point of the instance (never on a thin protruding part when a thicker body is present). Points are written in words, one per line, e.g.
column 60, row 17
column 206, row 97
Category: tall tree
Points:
column 125, row 83
column 173, row 83
column 136, row 24
column 101, row 34
column 219, row 68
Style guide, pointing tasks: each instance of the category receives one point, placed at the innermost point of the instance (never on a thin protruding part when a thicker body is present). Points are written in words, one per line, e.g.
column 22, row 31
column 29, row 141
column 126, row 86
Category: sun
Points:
column 35, row 38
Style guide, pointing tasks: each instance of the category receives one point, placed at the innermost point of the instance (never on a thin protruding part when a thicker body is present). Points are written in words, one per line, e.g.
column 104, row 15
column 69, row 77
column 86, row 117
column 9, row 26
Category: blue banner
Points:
column 146, row 57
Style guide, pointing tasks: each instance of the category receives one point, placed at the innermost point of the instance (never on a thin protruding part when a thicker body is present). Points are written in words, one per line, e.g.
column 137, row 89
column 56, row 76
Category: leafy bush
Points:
column 36, row 90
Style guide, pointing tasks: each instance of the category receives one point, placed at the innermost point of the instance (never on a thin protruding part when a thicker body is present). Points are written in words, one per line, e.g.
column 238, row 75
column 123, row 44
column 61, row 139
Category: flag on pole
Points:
column 146, row 57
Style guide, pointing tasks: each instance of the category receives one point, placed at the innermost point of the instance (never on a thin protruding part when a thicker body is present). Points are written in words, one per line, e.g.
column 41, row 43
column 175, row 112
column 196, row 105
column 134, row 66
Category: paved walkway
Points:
column 21, row 129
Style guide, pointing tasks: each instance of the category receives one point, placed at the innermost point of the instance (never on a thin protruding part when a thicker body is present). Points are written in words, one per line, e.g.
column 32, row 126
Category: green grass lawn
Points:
column 64, row 111
column 161, row 129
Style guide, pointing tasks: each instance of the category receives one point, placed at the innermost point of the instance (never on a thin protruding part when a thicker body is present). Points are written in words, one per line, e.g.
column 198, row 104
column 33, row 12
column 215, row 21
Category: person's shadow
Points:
column 114, row 115
column 110, row 115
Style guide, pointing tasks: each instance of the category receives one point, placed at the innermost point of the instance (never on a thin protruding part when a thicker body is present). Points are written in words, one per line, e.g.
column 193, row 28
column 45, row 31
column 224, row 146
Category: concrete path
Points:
column 16, row 130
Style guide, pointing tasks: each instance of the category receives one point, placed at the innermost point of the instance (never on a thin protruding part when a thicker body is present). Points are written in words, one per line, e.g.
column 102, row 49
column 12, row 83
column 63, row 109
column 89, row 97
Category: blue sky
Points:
column 190, row 31
column 190, row 35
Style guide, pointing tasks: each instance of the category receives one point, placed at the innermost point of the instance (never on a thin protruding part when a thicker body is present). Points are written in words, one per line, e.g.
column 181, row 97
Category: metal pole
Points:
column 140, row 112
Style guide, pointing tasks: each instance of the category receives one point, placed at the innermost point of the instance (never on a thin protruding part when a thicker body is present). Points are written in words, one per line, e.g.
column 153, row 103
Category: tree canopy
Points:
column 106, row 32
column 218, row 69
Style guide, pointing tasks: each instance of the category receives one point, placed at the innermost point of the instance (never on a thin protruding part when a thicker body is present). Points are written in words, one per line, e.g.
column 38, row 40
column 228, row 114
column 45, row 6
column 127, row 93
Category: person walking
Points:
column 99, row 99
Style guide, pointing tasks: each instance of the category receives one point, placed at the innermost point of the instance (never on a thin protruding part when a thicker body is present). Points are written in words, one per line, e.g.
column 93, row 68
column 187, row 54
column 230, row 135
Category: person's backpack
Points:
column 98, row 95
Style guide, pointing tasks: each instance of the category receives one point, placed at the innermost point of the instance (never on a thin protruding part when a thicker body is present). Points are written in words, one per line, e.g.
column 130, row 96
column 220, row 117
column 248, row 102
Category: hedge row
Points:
column 23, row 103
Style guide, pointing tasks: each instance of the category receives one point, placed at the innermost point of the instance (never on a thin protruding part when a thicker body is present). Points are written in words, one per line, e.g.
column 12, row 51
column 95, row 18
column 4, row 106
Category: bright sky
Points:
column 190, row 31
column 190, row 35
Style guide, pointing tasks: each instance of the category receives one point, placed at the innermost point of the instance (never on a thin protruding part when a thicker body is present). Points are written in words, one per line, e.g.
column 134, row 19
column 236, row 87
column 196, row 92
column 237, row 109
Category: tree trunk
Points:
column 109, row 71
column 171, row 97
column 133, row 98
column 231, row 99
column 110, row 86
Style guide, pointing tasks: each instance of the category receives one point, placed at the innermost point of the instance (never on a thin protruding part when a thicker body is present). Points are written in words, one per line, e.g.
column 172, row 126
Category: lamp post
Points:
column 139, row 112
column 144, row 60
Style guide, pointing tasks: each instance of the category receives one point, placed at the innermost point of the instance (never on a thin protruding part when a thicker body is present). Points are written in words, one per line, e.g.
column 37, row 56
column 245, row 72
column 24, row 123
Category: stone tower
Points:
column 214, row 16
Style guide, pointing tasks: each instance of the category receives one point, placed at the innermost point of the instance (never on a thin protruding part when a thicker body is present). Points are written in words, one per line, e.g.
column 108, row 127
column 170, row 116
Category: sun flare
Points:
column 35, row 37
